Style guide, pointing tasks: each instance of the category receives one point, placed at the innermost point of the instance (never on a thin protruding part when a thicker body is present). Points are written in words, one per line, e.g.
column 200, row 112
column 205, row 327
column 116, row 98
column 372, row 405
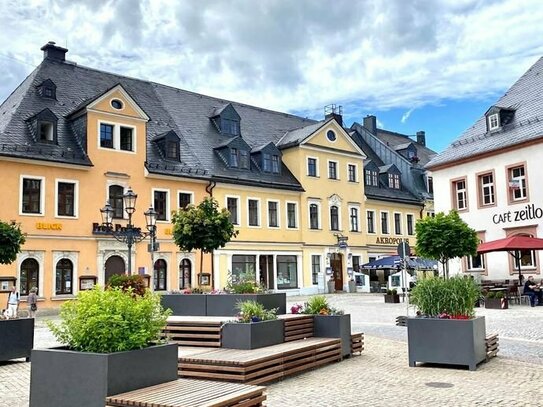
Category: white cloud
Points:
column 288, row 55
column 406, row 115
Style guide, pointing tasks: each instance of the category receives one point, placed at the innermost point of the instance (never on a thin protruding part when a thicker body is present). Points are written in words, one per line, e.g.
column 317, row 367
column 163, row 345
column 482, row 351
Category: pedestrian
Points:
column 32, row 301
column 13, row 303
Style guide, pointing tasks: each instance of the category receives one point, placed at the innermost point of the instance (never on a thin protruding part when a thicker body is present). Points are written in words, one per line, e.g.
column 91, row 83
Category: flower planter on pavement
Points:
column 334, row 326
column 16, row 338
column 496, row 303
column 392, row 298
column 185, row 304
column 220, row 305
column 446, row 341
column 252, row 335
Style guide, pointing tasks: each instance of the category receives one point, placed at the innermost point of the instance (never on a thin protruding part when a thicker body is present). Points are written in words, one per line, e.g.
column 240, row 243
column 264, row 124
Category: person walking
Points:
column 13, row 303
column 32, row 301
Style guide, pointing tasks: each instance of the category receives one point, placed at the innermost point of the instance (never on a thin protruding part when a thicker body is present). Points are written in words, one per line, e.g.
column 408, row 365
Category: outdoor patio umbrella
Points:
column 391, row 262
column 513, row 245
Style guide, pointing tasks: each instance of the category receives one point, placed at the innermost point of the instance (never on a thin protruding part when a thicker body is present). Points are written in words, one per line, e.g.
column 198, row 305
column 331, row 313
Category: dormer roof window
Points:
column 44, row 127
column 168, row 143
column 47, row 89
column 493, row 121
column 227, row 120
column 497, row 117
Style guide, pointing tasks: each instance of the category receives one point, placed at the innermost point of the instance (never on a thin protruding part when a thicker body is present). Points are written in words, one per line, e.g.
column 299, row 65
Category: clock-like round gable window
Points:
column 331, row 136
column 117, row 104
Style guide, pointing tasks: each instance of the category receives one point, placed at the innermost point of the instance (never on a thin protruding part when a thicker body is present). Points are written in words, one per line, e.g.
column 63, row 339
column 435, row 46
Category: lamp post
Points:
column 130, row 234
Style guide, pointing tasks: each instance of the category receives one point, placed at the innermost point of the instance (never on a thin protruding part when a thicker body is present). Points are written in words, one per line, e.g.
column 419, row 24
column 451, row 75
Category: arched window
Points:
column 116, row 200
column 185, row 274
column 29, row 276
column 64, row 277
column 334, row 218
column 159, row 275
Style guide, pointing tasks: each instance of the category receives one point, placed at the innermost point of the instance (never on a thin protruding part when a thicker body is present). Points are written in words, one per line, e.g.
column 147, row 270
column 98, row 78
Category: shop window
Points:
column 243, row 267
column 160, row 275
column 29, row 277
column 185, row 274
column 64, row 277
column 287, row 272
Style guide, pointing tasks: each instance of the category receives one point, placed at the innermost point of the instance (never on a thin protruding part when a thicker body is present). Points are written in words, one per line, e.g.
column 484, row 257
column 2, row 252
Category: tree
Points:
column 204, row 227
column 11, row 240
column 445, row 237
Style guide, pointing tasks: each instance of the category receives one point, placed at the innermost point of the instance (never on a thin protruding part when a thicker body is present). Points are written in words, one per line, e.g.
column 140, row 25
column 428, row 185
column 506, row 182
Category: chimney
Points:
column 334, row 111
column 370, row 123
column 54, row 53
column 421, row 138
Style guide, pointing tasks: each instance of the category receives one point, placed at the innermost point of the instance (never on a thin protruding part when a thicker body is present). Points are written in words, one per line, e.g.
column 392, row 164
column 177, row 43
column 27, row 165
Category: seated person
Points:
column 533, row 290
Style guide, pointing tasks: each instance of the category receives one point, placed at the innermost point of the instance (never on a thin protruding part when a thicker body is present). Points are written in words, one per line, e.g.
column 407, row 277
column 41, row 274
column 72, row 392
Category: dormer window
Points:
column 244, row 159
column 275, row 164
column 226, row 120
column 234, row 158
column 49, row 93
column 266, row 162
column 230, row 127
column 45, row 127
column 394, row 181
column 493, row 122
column 168, row 144
column 172, row 150
column 47, row 133
column 47, row 89
column 371, row 178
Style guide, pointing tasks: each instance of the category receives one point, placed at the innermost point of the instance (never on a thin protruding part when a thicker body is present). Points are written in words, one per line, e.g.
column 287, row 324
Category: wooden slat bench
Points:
column 357, row 343
column 297, row 326
column 191, row 393
column 492, row 346
column 258, row 365
column 401, row 320
column 195, row 331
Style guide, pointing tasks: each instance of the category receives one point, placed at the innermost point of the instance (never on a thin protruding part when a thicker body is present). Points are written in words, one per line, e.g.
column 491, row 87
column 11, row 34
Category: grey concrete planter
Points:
column 496, row 303
column 66, row 378
column 334, row 326
column 225, row 304
column 185, row 304
column 16, row 338
column 446, row 341
column 253, row 335
column 392, row 298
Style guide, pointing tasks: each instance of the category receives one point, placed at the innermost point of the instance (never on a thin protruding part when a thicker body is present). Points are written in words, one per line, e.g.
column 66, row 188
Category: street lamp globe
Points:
column 107, row 214
column 129, row 201
column 150, row 218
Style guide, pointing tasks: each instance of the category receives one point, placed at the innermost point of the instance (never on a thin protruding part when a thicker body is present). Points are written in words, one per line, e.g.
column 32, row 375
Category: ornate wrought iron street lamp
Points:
column 130, row 234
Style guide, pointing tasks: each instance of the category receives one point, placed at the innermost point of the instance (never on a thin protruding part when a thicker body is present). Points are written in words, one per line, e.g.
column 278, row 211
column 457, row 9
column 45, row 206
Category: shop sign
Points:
column 48, row 226
column 99, row 229
column 391, row 240
column 529, row 212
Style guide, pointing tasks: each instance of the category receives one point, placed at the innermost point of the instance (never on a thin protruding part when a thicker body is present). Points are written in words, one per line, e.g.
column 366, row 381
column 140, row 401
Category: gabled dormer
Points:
column 497, row 117
column 390, row 176
column 47, row 89
column 371, row 174
column 235, row 153
column 43, row 127
column 227, row 120
column 268, row 158
column 407, row 150
column 168, row 144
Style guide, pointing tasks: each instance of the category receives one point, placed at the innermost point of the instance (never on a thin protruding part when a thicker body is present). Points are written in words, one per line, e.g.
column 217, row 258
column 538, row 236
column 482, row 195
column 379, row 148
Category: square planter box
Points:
column 66, row 378
column 334, row 326
column 253, row 335
column 224, row 305
column 446, row 341
column 185, row 304
column 392, row 298
column 16, row 338
column 496, row 303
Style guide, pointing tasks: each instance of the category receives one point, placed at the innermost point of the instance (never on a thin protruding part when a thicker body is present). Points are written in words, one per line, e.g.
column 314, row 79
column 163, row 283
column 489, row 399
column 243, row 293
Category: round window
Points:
column 331, row 135
column 117, row 104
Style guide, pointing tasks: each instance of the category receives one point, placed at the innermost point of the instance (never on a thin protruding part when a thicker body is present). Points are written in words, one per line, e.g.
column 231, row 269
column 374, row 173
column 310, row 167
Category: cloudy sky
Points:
column 416, row 64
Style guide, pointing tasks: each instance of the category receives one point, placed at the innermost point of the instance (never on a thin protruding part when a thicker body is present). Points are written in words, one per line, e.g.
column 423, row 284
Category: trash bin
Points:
column 352, row 286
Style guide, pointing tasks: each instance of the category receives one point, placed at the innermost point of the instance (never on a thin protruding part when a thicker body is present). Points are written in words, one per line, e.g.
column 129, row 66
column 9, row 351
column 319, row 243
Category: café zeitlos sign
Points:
column 527, row 213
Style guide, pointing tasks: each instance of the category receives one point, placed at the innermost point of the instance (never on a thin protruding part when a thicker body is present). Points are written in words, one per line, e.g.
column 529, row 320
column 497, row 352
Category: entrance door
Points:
column 266, row 272
column 114, row 265
column 337, row 270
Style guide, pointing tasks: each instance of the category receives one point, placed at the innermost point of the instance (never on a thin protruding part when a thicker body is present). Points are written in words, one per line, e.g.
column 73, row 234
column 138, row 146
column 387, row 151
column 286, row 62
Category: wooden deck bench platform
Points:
column 195, row 331
column 191, row 393
column 357, row 343
column 258, row 365
column 297, row 326
column 492, row 346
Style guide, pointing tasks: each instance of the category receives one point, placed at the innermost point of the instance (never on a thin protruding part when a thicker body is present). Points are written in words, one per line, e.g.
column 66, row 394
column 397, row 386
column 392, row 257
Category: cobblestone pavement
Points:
column 381, row 376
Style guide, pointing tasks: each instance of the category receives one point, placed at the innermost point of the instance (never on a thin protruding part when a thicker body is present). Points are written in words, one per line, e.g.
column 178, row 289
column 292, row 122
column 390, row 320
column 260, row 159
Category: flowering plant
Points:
column 296, row 309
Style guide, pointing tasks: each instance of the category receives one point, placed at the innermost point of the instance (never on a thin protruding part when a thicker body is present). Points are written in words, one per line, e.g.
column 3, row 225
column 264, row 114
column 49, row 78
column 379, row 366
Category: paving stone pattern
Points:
column 381, row 376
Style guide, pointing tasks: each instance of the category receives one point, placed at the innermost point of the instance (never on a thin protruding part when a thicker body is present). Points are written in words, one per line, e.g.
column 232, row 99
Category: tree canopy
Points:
column 444, row 237
column 11, row 240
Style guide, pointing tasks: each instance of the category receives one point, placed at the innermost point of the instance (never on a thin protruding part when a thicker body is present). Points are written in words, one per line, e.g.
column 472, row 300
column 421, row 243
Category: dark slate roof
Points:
column 526, row 96
column 365, row 147
column 296, row 136
column 399, row 141
column 384, row 193
column 186, row 113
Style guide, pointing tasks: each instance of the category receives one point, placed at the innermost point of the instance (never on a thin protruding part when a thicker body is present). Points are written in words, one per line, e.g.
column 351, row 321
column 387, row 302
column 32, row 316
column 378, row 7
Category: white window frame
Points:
column 319, row 214
column 76, row 198
column 487, row 186
column 238, row 207
column 321, row 268
column 278, row 213
column 73, row 256
column 381, row 223
column 168, row 213
column 42, row 195
column 462, row 191
column 355, row 172
column 374, row 220
column 412, row 215
column 357, row 207
column 337, row 178
column 470, row 263
column 180, row 191
column 259, row 213
column 296, row 215
column 523, row 188
column 490, row 119
column 401, row 226
column 317, row 165
column 117, row 137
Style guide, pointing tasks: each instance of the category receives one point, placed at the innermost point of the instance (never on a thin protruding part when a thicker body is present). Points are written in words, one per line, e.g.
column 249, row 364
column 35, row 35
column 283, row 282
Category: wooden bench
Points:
column 195, row 331
column 258, row 365
column 492, row 346
column 401, row 320
column 357, row 343
column 297, row 326
column 191, row 393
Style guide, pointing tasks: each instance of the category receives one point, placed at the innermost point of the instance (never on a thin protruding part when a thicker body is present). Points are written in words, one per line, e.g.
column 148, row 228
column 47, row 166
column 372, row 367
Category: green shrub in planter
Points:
column 318, row 305
column 252, row 311
column 454, row 297
column 491, row 294
column 134, row 282
column 111, row 320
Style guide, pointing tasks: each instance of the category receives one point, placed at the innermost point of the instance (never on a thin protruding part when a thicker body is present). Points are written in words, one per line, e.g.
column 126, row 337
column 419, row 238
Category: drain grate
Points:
column 439, row 385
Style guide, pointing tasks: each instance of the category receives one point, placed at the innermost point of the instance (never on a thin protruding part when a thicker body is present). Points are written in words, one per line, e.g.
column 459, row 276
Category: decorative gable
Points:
column 227, row 120
column 169, row 145
column 117, row 101
column 497, row 117
column 47, row 89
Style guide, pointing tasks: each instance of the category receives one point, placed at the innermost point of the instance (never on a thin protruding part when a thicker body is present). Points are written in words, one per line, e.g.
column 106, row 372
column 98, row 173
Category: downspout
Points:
column 209, row 190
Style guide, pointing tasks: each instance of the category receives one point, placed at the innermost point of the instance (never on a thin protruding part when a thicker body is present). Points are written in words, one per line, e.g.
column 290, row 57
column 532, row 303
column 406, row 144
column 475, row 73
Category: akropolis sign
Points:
column 527, row 213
